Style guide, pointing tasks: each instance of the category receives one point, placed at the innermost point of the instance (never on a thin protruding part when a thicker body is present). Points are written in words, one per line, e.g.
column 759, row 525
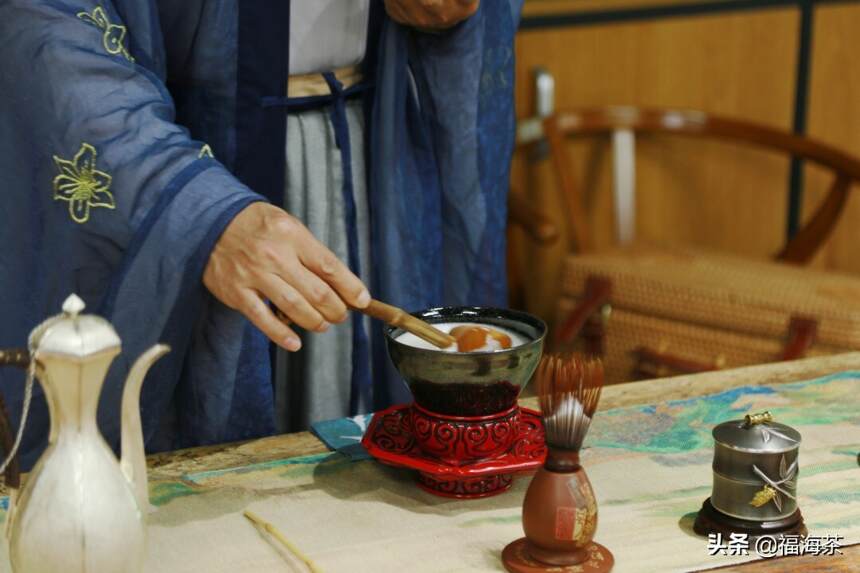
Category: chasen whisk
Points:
column 560, row 509
column 569, row 389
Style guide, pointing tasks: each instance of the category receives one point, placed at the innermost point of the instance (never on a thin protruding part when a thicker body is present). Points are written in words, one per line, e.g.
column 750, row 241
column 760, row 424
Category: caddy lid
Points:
column 757, row 433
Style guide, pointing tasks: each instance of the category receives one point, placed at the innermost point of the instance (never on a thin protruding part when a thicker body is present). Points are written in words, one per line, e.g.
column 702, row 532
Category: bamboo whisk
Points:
column 568, row 388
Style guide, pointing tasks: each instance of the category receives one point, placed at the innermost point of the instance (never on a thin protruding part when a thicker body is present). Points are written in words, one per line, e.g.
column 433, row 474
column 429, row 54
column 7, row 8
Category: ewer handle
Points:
column 20, row 358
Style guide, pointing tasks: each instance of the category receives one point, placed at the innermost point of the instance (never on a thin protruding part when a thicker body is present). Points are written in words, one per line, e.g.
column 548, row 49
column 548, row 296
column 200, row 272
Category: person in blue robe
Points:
column 133, row 133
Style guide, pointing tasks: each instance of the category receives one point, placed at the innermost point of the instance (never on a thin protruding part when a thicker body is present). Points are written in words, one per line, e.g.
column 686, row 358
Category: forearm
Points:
column 91, row 146
column 88, row 110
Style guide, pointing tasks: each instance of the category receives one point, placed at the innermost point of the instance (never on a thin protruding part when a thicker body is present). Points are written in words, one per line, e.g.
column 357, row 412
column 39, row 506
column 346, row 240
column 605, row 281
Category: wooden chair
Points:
column 595, row 289
column 537, row 227
column 523, row 214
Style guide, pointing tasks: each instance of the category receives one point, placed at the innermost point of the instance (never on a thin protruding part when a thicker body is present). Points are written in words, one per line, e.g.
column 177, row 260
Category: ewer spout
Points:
column 133, row 461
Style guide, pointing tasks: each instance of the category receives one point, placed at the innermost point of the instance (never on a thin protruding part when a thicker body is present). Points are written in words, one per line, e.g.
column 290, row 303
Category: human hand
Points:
column 430, row 14
column 267, row 254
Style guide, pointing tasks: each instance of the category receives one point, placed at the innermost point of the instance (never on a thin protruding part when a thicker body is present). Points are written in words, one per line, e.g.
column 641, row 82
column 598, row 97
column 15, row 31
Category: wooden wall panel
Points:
column 689, row 191
column 555, row 7
column 834, row 117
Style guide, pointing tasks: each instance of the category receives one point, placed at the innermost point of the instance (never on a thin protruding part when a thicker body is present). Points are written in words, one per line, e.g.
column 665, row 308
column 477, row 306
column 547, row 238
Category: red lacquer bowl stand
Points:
column 458, row 456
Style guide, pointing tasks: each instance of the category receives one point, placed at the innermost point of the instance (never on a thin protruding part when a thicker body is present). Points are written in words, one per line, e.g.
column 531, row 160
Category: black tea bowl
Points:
column 470, row 384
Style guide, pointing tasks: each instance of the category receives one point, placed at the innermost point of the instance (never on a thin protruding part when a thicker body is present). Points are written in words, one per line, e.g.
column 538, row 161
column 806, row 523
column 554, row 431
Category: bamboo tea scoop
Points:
column 402, row 319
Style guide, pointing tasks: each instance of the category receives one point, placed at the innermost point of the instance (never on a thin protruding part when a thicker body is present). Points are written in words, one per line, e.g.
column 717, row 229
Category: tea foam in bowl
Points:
column 492, row 345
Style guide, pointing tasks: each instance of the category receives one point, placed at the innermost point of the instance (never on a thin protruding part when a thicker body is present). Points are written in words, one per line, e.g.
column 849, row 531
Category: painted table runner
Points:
column 650, row 467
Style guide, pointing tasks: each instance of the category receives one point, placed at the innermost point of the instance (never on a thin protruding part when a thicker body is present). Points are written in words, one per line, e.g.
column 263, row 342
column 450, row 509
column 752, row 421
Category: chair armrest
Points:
column 818, row 229
column 533, row 222
column 597, row 293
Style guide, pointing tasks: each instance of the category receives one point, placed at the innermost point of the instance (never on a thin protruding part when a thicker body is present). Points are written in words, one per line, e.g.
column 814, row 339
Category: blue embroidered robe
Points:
column 109, row 110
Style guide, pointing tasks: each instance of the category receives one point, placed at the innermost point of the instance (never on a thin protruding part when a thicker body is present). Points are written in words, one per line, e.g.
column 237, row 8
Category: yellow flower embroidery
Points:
column 114, row 34
column 205, row 151
column 82, row 185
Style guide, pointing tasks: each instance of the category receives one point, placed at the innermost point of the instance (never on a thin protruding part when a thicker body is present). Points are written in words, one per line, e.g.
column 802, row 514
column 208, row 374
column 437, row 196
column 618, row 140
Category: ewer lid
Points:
column 74, row 334
column 757, row 433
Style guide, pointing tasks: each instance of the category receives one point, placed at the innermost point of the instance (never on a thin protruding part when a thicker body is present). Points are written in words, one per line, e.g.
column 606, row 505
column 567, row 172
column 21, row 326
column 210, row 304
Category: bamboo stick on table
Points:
column 276, row 533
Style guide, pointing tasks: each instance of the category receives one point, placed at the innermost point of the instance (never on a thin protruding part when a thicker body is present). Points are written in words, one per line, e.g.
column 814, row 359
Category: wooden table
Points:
column 175, row 464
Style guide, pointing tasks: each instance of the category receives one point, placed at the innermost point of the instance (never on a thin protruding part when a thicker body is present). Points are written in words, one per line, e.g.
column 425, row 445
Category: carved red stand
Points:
column 458, row 456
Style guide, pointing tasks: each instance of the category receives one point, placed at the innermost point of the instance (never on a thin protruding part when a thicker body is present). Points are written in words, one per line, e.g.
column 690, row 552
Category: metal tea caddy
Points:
column 755, row 473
